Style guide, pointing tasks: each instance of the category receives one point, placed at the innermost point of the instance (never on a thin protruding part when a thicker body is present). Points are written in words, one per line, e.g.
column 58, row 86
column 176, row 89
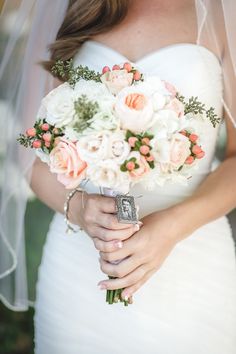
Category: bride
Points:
column 179, row 262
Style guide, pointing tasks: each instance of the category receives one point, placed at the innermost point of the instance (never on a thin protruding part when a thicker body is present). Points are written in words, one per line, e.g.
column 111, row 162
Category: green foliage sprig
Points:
column 84, row 111
column 72, row 75
column 193, row 105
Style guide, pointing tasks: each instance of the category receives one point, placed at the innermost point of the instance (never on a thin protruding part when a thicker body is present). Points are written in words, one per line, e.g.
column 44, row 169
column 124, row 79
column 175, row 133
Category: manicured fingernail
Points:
column 140, row 223
column 118, row 244
column 137, row 227
column 102, row 286
column 126, row 297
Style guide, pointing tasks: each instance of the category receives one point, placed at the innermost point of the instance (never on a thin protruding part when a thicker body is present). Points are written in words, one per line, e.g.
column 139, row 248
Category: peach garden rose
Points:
column 66, row 162
column 134, row 109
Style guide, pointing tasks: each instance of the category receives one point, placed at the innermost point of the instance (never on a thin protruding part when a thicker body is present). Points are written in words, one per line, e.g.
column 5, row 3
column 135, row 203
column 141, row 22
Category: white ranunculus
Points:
column 94, row 147
column 161, row 150
column 134, row 109
column 108, row 174
column 166, row 122
column 59, row 105
column 119, row 149
column 93, row 90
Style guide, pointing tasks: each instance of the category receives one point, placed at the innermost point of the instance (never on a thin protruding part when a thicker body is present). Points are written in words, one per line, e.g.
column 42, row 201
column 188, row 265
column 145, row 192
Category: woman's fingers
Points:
column 110, row 221
column 109, row 235
column 127, row 281
column 109, row 246
column 122, row 269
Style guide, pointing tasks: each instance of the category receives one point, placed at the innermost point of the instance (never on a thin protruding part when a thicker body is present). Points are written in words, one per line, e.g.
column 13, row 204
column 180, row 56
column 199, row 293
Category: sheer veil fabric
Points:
column 35, row 26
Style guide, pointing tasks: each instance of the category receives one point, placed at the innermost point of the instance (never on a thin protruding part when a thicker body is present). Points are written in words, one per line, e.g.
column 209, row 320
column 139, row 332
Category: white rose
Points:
column 94, row 147
column 108, row 174
column 134, row 109
column 59, row 106
column 166, row 122
column 119, row 149
column 93, row 90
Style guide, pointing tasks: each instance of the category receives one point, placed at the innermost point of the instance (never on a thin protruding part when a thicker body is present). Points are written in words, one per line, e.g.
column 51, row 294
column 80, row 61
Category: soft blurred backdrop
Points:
column 16, row 328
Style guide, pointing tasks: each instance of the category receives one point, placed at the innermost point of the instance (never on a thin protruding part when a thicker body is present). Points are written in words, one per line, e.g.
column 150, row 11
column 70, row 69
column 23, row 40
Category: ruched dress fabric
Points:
column 189, row 304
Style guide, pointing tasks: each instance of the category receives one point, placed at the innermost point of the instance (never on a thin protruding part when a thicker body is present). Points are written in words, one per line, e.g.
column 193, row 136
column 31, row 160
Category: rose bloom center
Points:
column 136, row 101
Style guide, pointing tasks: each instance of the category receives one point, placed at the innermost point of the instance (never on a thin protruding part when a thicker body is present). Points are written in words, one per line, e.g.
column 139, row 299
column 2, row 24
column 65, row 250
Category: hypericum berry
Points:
column 31, row 132
column 105, row 69
column 183, row 132
column 150, row 158
column 47, row 137
column 189, row 160
column 130, row 166
column 144, row 149
column 200, row 155
column 137, row 75
column 193, row 138
column 116, row 67
column 132, row 140
column 37, row 144
column 196, row 149
column 55, row 131
column 47, row 144
column 45, row 127
column 145, row 141
column 127, row 66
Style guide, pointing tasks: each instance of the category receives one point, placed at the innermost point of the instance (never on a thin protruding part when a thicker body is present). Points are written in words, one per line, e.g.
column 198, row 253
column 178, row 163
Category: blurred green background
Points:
column 16, row 328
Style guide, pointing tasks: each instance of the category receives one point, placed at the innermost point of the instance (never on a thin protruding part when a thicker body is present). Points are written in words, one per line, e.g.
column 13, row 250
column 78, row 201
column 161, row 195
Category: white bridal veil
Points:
column 23, row 83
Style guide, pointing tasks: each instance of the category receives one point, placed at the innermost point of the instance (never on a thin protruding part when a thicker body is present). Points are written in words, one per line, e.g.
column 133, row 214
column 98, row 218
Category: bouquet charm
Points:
column 118, row 128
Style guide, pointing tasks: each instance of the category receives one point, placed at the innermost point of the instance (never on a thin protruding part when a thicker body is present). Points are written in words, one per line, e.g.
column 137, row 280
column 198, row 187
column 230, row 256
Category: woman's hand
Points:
column 96, row 215
column 143, row 253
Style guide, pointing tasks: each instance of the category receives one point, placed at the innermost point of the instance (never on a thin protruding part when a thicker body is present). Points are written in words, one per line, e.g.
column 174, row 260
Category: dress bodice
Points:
column 194, row 71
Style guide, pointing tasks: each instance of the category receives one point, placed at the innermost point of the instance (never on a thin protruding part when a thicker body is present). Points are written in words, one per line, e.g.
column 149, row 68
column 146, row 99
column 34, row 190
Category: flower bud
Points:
column 127, row 66
column 193, row 138
column 47, row 137
column 31, row 132
column 196, row 149
column 105, row 69
column 137, row 75
column 200, row 155
column 116, row 67
column 189, row 160
column 45, row 127
column 132, row 140
column 144, row 149
column 37, row 144
column 130, row 166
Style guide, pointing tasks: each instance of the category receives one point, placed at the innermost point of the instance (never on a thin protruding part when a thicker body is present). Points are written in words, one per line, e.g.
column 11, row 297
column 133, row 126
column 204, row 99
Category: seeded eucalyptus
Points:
column 84, row 111
column 195, row 106
column 66, row 70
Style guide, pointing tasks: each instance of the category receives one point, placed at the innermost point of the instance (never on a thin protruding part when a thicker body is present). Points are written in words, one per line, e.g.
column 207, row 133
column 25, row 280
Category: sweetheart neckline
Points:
column 153, row 53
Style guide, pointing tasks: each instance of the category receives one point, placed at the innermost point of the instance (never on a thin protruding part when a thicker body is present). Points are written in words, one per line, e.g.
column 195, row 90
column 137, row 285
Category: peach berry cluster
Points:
column 196, row 150
column 42, row 135
column 137, row 76
column 140, row 143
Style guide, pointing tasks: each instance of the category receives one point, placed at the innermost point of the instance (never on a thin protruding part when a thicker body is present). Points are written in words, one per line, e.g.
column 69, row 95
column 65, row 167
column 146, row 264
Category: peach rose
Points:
column 143, row 169
column 179, row 150
column 66, row 162
column 116, row 80
column 134, row 109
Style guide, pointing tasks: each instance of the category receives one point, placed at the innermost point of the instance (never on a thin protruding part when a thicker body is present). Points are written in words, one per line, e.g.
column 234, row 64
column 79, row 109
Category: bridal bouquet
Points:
column 117, row 128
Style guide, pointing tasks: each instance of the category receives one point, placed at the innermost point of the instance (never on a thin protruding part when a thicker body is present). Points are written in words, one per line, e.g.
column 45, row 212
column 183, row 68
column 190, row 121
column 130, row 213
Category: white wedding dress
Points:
column 189, row 305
